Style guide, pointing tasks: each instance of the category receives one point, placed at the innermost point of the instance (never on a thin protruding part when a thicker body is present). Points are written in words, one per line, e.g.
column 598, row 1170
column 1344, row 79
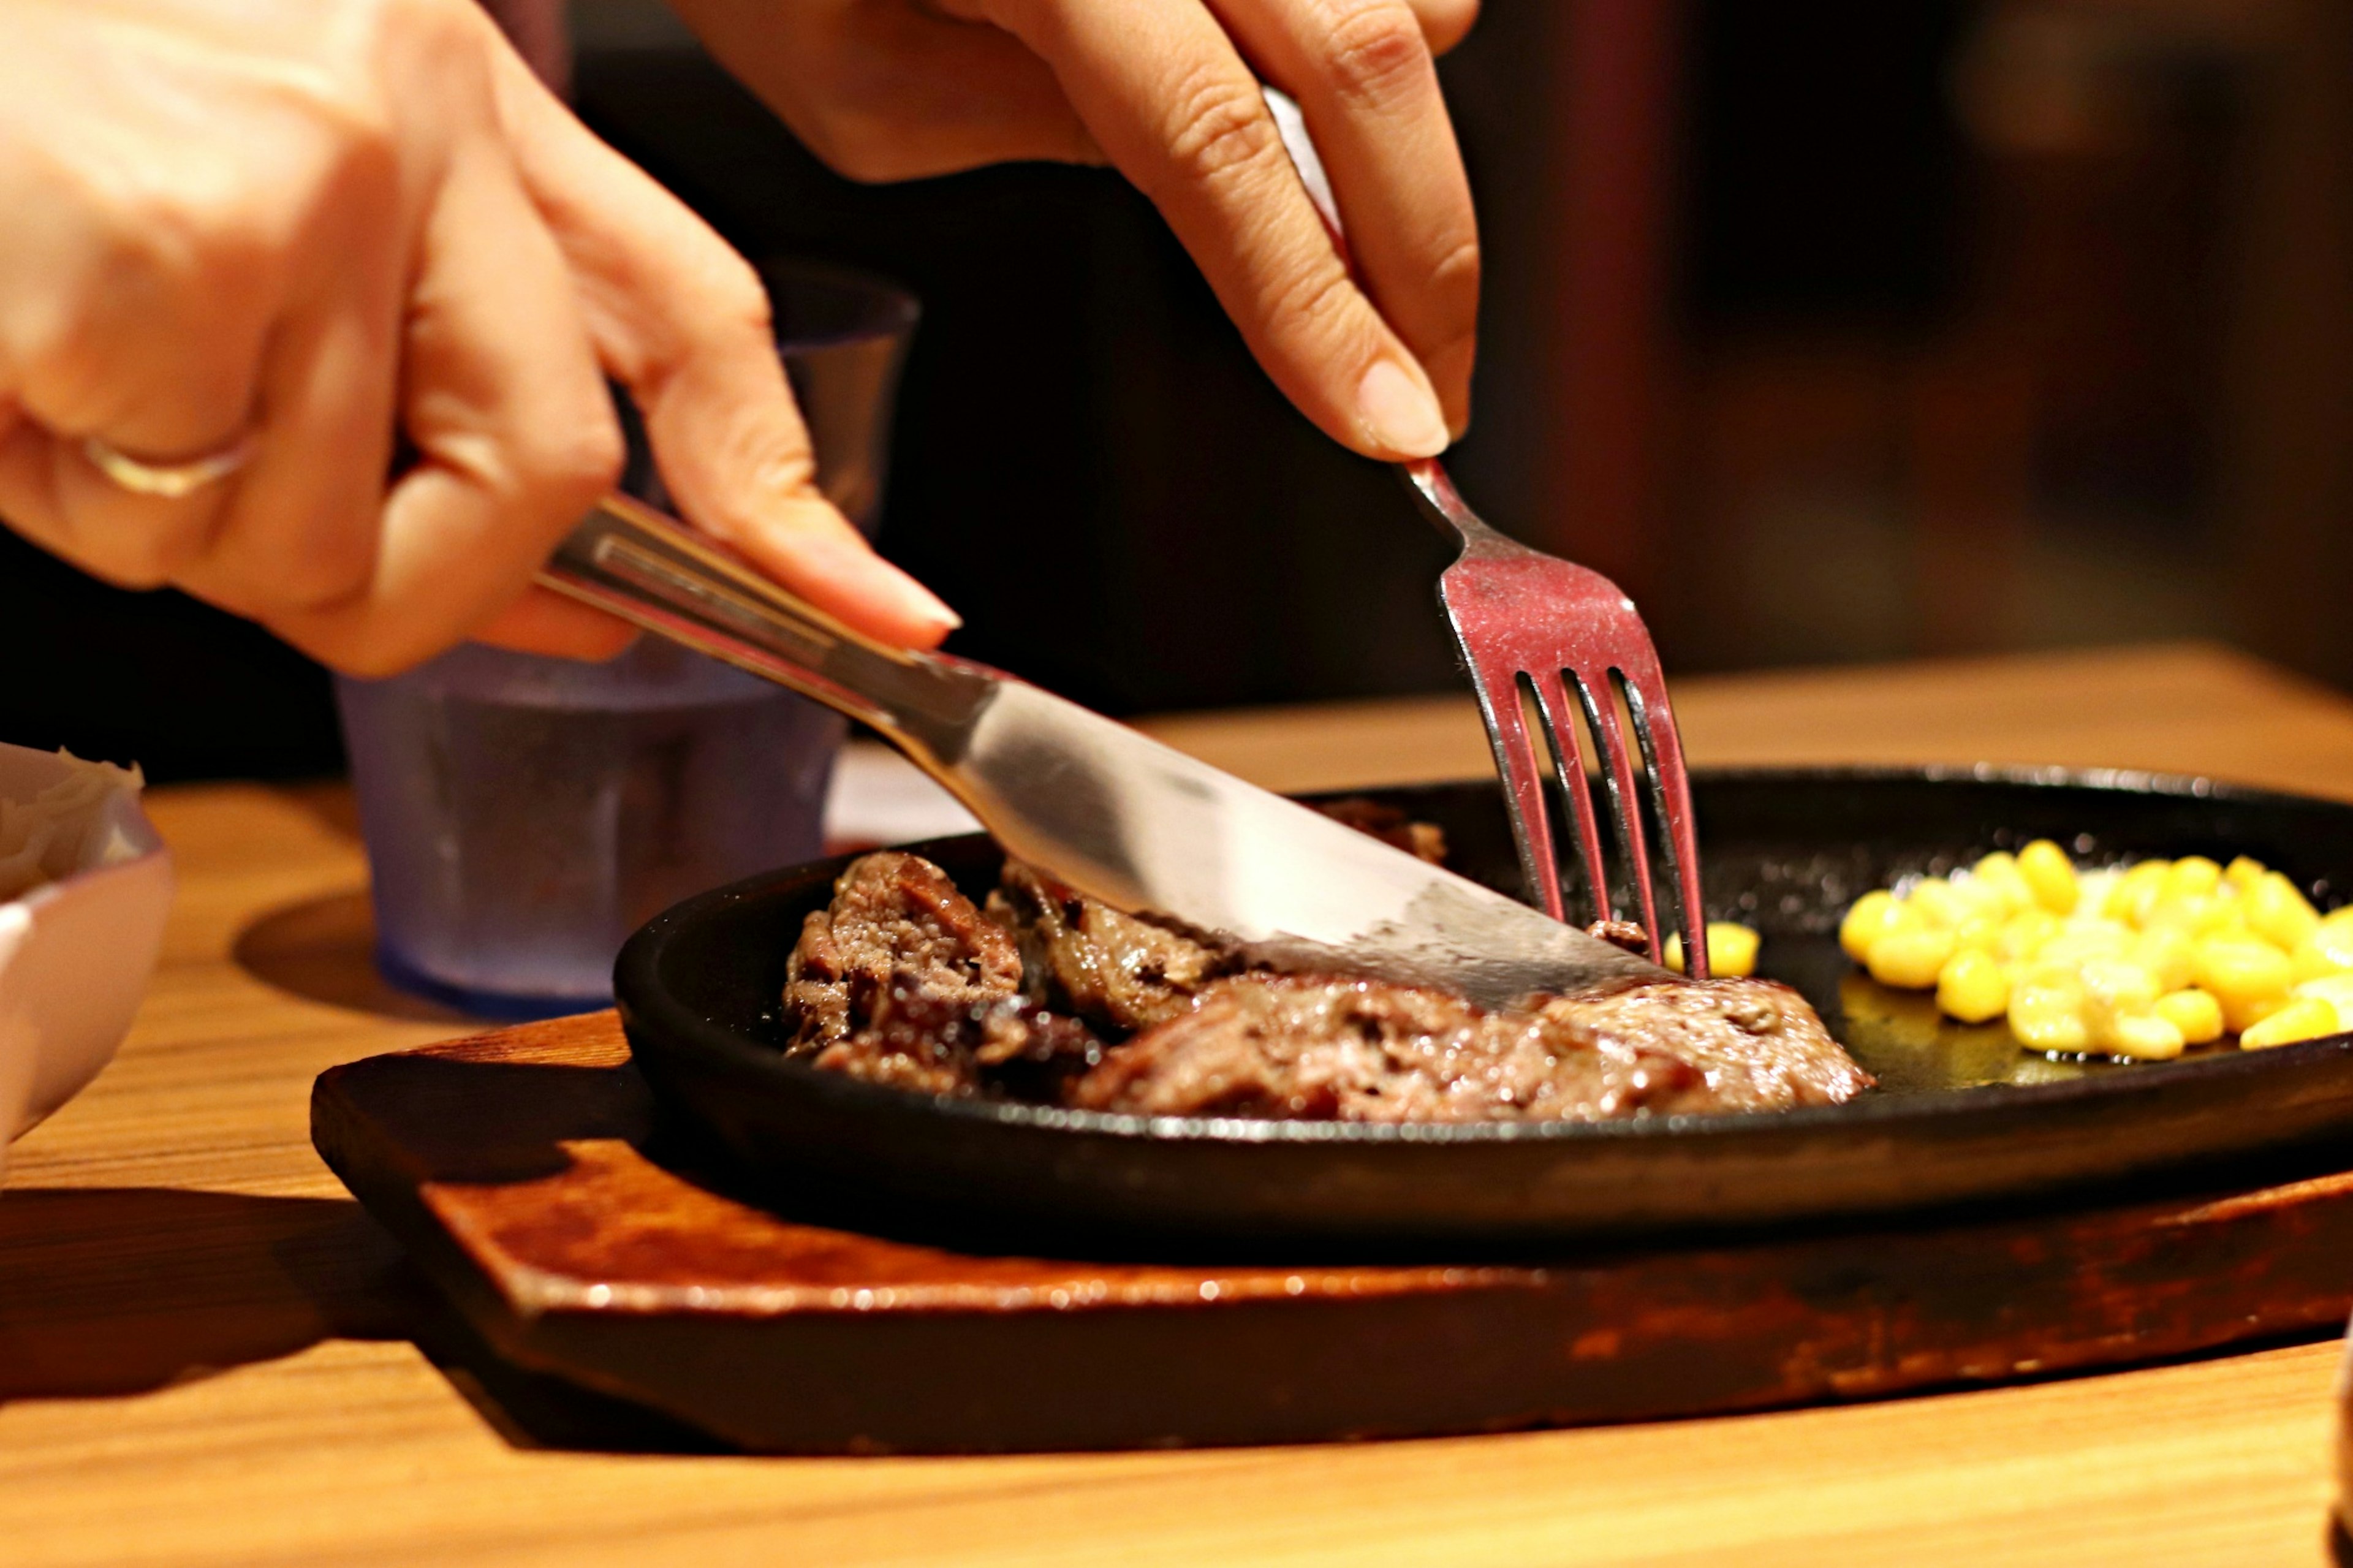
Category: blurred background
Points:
column 1834, row 329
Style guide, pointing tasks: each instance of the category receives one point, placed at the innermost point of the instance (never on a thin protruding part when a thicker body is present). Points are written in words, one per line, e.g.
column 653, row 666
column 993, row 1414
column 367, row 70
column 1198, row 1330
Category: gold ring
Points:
column 170, row 480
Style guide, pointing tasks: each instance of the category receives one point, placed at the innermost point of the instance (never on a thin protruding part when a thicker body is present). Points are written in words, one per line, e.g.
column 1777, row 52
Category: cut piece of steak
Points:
column 1086, row 957
column 1293, row 1047
column 900, row 981
column 1760, row 1043
column 892, row 914
column 1354, row 1050
column 909, row 1035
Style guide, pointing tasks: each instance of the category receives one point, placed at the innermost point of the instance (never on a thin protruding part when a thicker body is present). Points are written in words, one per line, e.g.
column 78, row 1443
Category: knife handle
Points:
column 631, row 561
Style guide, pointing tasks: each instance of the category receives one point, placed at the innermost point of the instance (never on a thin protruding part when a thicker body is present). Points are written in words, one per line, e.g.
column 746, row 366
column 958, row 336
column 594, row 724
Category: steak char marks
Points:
column 1051, row 997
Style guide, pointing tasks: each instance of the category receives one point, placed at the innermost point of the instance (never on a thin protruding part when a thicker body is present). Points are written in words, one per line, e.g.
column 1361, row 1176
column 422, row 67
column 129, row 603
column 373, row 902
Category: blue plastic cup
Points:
column 523, row 815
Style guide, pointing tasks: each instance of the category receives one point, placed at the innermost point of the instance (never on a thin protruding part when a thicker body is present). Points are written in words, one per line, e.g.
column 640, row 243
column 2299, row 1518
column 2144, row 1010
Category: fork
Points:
column 1529, row 623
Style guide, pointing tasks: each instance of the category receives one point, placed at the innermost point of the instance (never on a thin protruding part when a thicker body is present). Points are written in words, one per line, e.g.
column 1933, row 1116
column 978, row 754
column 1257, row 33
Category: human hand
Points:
column 1167, row 91
column 313, row 225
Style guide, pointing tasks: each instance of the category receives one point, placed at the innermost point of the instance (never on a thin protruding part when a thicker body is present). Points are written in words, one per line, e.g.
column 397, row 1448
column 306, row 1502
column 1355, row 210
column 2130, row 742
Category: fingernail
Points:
column 1400, row 414
column 926, row 604
column 851, row 565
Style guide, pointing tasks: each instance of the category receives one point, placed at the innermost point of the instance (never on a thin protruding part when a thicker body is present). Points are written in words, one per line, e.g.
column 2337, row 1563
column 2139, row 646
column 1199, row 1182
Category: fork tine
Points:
column 1522, row 776
column 1625, row 805
column 1568, row 773
column 1663, row 759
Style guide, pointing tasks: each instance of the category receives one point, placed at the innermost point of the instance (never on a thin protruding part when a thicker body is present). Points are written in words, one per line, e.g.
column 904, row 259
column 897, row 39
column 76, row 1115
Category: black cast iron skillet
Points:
column 1962, row 1116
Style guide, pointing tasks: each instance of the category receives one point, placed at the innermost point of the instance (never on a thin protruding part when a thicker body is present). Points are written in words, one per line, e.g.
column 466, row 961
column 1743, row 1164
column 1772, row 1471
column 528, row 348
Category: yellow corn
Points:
column 2080, row 939
column 2192, row 877
column 1913, row 955
column 2328, row 950
column 2249, row 978
column 2120, row 985
column 2118, row 995
column 2169, row 954
column 1938, row 902
column 2147, row 1037
column 2141, row 960
column 2305, row 1018
column 2050, row 875
column 1869, row 916
column 2023, row 935
column 1731, row 949
column 2278, row 910
column 2208, row 916
column 2193, row 1012
column 1998, row 874
column 1973, row 986
column 2137, row 891
column 2047, row 1014
column 2337, row 990
column 1980, row 931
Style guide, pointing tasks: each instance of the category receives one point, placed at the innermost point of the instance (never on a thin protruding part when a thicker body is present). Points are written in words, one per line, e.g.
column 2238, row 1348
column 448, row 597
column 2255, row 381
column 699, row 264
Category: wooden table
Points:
column 207, row 1352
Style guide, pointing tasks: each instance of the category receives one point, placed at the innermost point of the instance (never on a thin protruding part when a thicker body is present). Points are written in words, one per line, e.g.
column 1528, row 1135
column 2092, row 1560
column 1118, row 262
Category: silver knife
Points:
column 1108, row 811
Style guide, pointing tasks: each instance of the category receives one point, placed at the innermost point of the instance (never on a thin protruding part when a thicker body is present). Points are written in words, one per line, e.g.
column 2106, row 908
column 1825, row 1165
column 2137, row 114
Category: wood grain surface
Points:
column 523, row 1170
column 208, row 1354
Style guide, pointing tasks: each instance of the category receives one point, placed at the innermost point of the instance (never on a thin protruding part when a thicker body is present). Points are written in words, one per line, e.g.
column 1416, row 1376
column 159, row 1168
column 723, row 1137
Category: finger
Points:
column 136, row 294
column 515, row 433
column 1444, row 23
column 548, row 623
column 299, row 530
column 895, row 92
column 681, row 319
column 1364, row 78
column 53, row 491
column 53, row 495
column 1165, row 92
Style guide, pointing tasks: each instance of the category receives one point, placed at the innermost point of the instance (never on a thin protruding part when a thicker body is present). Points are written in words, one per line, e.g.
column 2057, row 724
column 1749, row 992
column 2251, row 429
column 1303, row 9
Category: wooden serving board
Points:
column 516, row 1167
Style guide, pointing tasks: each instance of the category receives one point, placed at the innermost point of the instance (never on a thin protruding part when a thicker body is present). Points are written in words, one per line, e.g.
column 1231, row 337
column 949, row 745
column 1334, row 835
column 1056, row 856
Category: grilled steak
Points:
column 903, row 982
column 1354, row 1050
column 892, row 914
column 1110, row 968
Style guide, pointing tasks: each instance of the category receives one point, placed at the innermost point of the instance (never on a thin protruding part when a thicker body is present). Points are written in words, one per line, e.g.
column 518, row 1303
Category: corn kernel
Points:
column 2080, row 939
column 2337, row 990
column 1912, row 958
column 1938, row 902
column 2147, row 1036
column 2119, row 986
column 2249, row 978
column 1980, row 931
column 2328, row 950
column 2278, row 912
column 2192, row 877
column 2171, row 956
column 2196, row 917
column 2305, row 1018
column 2137, row 890
column 2048, row 1015
column 1998, row 873
column 1869, row 916
column 2024, row 933
column 2193, row 1012
column 2243, row 872
column 1731, row 950
column 1973, row 986
column 2050, row 875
